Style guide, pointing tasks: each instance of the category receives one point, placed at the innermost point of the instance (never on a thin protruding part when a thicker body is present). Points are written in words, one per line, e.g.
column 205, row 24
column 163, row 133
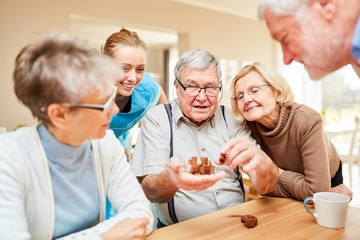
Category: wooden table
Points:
column 278, row 218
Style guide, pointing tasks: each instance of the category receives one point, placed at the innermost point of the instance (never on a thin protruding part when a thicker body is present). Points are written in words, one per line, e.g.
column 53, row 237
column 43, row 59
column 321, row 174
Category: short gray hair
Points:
column 197, row 59
column 282, row 7
column 60, row 68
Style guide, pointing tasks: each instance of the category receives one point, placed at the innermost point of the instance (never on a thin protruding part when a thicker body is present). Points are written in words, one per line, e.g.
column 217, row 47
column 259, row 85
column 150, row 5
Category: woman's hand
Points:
column 342, row 189
column 128, row 228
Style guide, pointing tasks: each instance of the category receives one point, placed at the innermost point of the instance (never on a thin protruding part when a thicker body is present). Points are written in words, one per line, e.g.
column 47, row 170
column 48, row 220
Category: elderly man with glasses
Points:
column 193, row 125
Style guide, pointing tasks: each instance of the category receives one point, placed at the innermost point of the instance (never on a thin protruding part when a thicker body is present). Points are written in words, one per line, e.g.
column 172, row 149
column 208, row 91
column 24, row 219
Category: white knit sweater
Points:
column 26, row 197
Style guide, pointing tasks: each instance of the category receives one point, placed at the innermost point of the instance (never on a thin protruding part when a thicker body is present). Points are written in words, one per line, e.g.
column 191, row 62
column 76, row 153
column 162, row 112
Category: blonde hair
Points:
column 122, row 38
column 275, row 80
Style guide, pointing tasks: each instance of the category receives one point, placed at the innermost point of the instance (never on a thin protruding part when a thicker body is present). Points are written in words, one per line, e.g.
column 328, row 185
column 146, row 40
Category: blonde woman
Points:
column 291, row 134
column 137, row 91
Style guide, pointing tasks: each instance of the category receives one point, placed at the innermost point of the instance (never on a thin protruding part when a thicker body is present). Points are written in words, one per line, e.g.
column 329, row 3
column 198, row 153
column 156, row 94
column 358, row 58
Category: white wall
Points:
column 227, row 36
column 306, row 91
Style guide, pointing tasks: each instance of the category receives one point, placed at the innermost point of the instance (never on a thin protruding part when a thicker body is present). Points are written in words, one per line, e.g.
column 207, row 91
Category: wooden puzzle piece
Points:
column 249, row 221
column 204, row 167
column 222, row 158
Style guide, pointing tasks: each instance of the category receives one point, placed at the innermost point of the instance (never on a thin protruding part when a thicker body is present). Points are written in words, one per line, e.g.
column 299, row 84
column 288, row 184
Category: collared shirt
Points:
column 152, row 153
column 355, row 48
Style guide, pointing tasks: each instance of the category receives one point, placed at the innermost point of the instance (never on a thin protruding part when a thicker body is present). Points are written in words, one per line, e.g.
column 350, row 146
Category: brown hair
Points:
column 123, row 37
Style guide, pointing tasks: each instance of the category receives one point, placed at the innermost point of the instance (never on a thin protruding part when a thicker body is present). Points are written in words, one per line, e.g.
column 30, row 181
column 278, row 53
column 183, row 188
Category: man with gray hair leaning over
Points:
column 324, row 35
column 193, row 125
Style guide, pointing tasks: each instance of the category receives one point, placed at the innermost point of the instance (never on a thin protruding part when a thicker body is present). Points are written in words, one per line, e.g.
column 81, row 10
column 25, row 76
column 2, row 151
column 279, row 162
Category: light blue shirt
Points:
column 74, row 184
column 355, row 49
column 144, row 96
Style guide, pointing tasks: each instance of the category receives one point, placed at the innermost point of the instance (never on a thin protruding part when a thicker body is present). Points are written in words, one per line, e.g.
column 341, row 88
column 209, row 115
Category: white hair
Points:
column 282, row 7
column 198, row 59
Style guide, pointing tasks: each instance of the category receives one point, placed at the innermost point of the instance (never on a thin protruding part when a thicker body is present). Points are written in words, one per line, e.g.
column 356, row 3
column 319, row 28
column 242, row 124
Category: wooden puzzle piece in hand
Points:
column 200, row 168
column 222, row 158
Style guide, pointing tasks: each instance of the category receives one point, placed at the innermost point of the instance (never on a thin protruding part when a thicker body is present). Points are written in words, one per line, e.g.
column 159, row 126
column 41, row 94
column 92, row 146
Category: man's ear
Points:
column 326, row 8
column 58, row 114
column 176, row 84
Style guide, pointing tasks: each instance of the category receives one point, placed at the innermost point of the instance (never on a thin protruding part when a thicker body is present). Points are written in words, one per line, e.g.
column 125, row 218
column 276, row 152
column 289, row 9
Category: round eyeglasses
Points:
column 253, row 91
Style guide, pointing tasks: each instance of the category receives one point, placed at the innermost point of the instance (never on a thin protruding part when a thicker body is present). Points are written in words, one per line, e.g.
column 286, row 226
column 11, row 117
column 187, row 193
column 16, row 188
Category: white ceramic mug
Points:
column 330, row 209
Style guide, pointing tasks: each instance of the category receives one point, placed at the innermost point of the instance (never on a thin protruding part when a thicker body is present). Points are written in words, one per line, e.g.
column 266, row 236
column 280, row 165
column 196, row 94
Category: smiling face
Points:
column 132, row 61
column 264, row 107
column 201, row 107
column 312, row 42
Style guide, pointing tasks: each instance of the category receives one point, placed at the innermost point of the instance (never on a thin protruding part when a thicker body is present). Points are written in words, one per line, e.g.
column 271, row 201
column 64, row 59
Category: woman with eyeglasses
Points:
column 55, row 176
column 137, row 91
column 291, row 134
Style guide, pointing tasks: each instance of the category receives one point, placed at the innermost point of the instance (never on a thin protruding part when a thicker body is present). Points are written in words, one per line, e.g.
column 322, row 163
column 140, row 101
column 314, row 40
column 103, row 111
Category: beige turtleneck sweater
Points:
column 300, row 147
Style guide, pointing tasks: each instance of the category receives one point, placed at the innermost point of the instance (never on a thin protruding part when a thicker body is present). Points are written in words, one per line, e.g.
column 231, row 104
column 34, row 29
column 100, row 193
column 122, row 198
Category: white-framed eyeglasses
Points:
column 194, row 91
column 106, row 108
column 253, row 91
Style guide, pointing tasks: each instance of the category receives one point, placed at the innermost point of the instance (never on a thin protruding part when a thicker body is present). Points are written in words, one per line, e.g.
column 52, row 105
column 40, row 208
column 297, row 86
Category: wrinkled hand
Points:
column 128, row 228
column 178, row 175
column 240, row 151
column 342, row 189
column 263, row 173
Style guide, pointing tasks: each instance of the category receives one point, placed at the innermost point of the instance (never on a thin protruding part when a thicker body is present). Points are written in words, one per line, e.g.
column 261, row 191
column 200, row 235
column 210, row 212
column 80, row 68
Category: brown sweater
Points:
column 300, row 147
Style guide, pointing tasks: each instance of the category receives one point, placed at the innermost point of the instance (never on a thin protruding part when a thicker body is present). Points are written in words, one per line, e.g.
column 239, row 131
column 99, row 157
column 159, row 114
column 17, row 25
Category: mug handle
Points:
column 305, row 202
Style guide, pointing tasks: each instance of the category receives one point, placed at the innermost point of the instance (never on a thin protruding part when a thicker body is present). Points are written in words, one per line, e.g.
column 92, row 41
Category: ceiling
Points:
column 96, row 30
column 242, row 8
